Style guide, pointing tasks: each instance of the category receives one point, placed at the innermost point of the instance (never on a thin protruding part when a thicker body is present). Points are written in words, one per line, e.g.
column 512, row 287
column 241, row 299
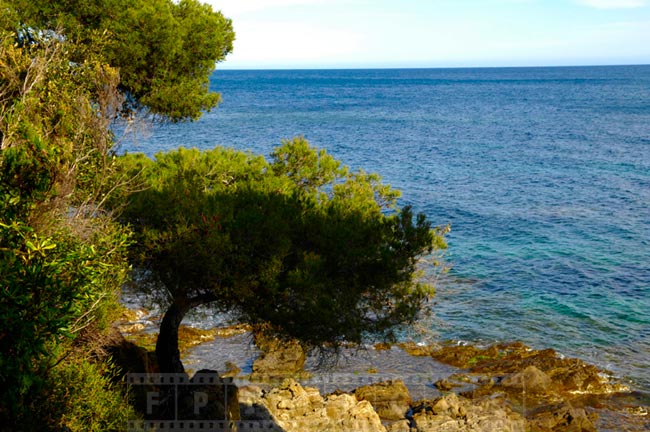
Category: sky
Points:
column 289, row 34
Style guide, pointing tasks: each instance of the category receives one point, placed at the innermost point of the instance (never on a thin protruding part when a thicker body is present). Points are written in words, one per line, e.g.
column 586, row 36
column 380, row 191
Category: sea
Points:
column 542, row 173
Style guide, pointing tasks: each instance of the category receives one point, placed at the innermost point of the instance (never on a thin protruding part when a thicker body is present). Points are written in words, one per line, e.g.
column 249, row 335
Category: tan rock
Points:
column 454, row 414
column 354, row 415
column 390, row 399
column 530, row 380
column 382, row 346
column 234, row 330
column 399, row 426
column 292, row 399
column 295, row 409
column 448, row 405
column 417, row 350
column 278, row 359
column 562, row 417
column 444, row 385
column 251, row 405
column 130, row 328
column 231, row 370
column 131, row 315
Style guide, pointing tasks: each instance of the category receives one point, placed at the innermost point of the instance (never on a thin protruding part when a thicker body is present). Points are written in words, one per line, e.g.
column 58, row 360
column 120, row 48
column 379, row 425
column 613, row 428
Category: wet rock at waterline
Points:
column 278, row 359
column 488, row 388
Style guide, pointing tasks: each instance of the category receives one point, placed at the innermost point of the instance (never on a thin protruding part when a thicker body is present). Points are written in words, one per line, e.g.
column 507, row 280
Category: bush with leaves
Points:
column 67, row 71
column 78, row 395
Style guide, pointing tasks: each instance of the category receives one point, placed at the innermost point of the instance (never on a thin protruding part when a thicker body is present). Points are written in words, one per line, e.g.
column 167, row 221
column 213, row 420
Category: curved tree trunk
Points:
column 167, row 352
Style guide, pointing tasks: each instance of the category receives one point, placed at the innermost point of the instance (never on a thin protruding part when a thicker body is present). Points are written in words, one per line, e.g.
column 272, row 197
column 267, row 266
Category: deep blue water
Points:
column 543, row 173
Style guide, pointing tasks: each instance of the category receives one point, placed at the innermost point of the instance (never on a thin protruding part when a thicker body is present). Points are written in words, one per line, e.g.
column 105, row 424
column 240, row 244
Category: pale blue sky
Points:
column 436, row 33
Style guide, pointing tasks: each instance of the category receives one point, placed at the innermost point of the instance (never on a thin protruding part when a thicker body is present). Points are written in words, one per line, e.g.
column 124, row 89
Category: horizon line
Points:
column 370, row 67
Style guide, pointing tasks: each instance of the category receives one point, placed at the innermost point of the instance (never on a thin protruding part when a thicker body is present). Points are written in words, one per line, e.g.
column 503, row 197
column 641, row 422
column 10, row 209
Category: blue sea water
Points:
column 543, row 174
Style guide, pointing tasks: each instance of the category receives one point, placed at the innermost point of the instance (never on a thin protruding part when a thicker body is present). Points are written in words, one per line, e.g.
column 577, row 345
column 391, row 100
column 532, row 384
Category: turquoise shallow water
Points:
column 543, row 173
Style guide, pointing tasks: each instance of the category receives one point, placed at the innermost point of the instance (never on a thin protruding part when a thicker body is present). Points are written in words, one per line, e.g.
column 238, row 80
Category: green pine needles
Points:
column 298, row 245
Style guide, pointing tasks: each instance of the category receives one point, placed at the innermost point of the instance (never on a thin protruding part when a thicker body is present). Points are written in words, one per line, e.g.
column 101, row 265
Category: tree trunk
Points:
column 167, row 352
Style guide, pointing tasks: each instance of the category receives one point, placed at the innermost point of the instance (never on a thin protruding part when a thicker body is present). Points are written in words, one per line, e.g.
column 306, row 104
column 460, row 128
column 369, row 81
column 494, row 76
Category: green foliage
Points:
column 307, row 168
column 27, row 175
column 67, row 70
column 76, row 396
column 51, row 288
column 164, row 50
column 61, row 260
column 55, row 142
column 299, row 244
column 71, row 385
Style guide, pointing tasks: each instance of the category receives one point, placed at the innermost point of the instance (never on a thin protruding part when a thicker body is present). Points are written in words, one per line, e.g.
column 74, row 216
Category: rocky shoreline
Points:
column 504, row 387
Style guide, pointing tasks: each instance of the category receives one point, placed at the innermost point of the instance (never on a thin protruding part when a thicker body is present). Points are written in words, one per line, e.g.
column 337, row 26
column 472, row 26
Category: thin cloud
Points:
column 238, row 7
column 613, row 4
column 309, row 33
column 290, row 42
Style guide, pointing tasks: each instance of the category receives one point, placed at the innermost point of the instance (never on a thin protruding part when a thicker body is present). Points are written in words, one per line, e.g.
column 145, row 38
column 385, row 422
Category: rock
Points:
column 453, row 414
column 278, row 359
column 130, row 320
column 449, row 405
column 346, row 413
column 249, row 395
column 478, row 359
column 390, row 399
column 493, row 415
column 233, row 330
column 298, row 409
column 562, row 418
column 575, row 376
column 568, row 376
column 417, row 350
column 461, row 378
column 251, row 405
column 131, row 315
column 637, row 411
column 444, row 385
column 189, row 337
column 558, row 389
column 459, row 356
column 232, row 370
column 131, row 327
column 290, row 399
column 399, row 426
column 530, row 380
column 382, row 346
